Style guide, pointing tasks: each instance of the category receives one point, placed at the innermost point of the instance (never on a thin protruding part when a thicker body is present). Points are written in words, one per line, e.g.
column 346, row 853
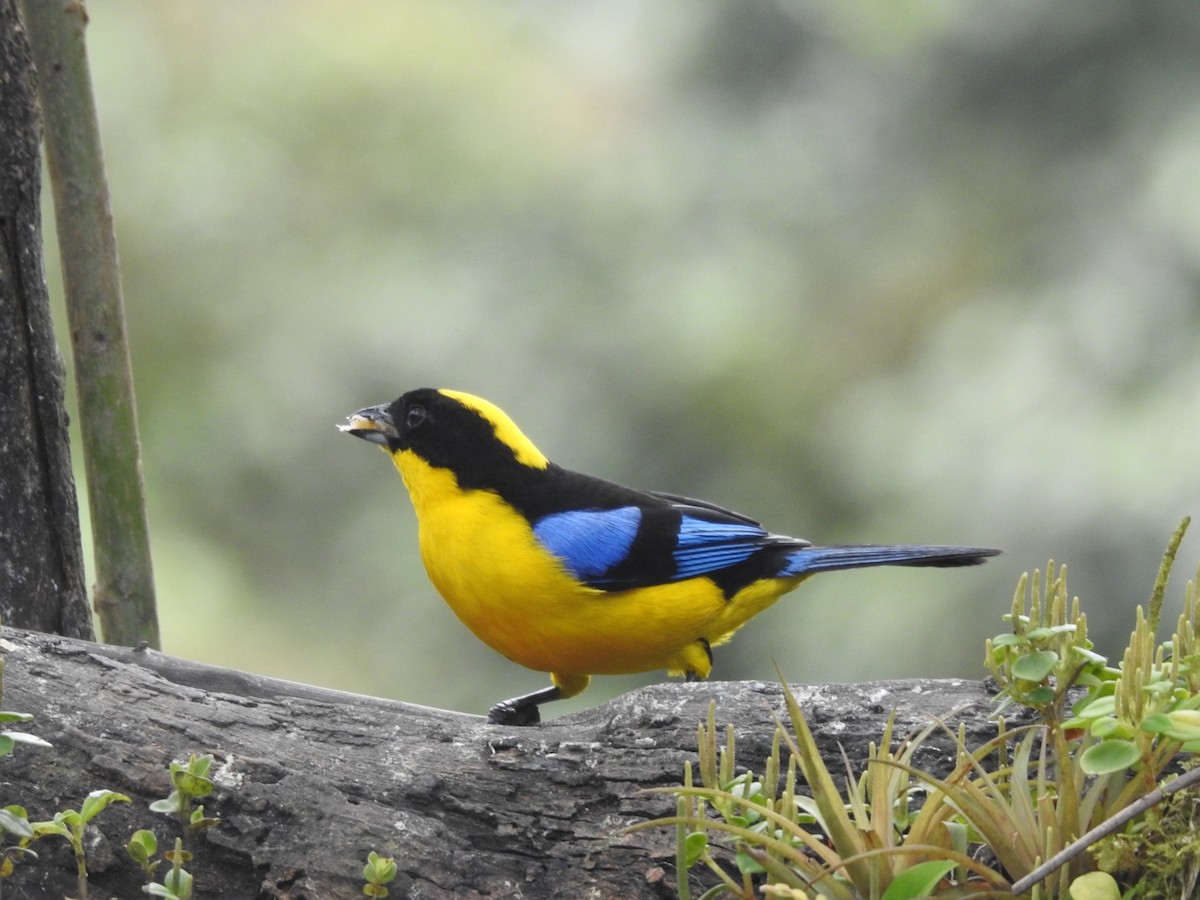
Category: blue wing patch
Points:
column 589, row 541
column 704, row 546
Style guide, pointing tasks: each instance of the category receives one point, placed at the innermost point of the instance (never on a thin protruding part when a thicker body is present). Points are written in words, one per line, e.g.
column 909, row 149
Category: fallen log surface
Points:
column 309, row 780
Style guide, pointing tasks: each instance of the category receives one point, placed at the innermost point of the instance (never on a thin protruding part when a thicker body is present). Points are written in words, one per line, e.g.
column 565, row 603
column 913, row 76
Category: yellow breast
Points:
column 485, row 561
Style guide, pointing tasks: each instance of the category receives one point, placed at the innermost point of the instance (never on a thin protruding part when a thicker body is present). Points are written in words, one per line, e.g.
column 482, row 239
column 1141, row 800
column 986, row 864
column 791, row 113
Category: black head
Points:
column 451, row 430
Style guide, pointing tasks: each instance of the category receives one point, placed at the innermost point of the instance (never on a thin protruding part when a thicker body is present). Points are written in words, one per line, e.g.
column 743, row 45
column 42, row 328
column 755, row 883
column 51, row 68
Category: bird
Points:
column 574, row 575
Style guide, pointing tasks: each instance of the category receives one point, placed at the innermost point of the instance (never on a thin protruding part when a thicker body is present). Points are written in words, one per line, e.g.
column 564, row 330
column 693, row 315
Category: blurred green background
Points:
column 869, row 271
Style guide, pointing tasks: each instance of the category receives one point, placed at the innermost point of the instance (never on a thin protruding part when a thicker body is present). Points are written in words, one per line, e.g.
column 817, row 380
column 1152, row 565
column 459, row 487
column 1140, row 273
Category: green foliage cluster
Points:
column 191, row 780
column 1161, row 858
column 377, row 874
column 178, row 882
column 69, row 824
column 1072, row 805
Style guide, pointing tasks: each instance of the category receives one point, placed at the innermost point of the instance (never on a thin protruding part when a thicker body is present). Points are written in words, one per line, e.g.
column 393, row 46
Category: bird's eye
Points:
column 416, row 415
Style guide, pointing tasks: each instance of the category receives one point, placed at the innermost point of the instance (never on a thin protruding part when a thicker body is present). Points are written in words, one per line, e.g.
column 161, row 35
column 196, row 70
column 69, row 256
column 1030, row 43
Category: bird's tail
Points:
column 827, row 559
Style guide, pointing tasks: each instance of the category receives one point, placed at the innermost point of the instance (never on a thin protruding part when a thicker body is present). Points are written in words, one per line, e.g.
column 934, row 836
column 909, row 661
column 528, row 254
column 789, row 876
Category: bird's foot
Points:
column 522, row 710
column 507, row 712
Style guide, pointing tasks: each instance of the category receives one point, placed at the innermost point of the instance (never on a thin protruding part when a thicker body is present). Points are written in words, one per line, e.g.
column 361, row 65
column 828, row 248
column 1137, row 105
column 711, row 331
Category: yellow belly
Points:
column 516, row 597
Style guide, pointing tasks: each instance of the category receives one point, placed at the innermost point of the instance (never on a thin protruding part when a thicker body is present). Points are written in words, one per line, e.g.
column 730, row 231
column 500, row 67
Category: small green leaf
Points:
column 21, row 737
column 750, row 791
column 142, row 845
column 200, row 765
column 1039, row 696
column 695, row 845
column 41, row 829
column 199, row 821
column 191, row 778
column 172, row 804
column 1101, row 706
column 807, row 812
column 1095, row 886
column 1156, row 723
column 1091, row 655
column 1185, row 724
column 1110, row 728
column 6, row 716
column 97, row 801
column 959, row 833
column 1108, row 757
column 178, row 882
column 1008, row 639
column 1035, row 666
column 379, row 869
column 747, row 864
column 918, row 880
column 6, row 745
column 192, row 785
column 178, row 855
column 15, row 824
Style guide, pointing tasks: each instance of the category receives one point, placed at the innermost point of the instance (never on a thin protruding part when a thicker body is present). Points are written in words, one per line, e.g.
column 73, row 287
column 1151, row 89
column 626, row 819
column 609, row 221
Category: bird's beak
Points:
column 371, row 424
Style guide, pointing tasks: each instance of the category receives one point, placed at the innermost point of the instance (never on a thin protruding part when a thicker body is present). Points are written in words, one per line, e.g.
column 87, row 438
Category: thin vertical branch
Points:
column 124, row 591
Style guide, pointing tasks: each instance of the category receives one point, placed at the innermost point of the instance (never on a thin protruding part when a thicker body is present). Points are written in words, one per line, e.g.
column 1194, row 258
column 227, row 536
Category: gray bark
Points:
column 312, row 779
column 41, row 560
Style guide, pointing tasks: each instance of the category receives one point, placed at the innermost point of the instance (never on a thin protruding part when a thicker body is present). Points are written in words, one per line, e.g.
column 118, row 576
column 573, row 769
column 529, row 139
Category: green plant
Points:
column 142, row 847
column 178, row 883
column 1096, row 761
column 1139, row 715
column 10, row 739
column 866, row 842
column 71, row 824
column 14, row 820
column 190, row 782
column 1164, row 856
column 378, row 873
column 1127, row 726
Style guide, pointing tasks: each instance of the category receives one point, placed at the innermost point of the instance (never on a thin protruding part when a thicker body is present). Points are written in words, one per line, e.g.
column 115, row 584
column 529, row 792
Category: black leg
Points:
column 522, row 710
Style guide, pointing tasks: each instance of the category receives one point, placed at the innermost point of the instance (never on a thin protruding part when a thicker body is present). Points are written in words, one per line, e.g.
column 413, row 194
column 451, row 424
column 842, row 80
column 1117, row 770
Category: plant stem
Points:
column 81, row 867
column 1164, row 572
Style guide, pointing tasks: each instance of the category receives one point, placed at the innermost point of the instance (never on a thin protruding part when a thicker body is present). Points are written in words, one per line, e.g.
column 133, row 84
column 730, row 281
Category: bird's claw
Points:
column 510, row 713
